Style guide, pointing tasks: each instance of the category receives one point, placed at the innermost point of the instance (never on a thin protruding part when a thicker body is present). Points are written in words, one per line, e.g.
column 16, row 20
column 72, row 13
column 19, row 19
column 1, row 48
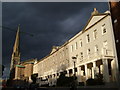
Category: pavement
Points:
column 60, row 88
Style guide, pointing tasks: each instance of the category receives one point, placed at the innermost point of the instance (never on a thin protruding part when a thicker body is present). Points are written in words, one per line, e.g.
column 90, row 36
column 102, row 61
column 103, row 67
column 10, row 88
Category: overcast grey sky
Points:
column 52, row 23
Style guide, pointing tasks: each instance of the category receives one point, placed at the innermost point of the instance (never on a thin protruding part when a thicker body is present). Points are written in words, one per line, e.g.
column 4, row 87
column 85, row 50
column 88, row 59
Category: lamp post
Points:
column 74, row 77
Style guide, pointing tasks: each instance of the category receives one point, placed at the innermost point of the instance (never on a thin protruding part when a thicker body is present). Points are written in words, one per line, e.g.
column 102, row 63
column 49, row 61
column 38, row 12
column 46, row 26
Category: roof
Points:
column 54, row 48
column 20, row 66
column 30, row 61
column 94, row 19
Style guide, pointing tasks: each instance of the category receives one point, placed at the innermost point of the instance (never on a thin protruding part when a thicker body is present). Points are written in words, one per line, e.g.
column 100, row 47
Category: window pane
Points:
column 95, row 34
column 104, row 30
column 80, row 43
column 88, row 38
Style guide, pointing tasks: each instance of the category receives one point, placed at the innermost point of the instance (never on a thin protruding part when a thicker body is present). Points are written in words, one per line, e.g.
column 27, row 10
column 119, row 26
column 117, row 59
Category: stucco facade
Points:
column 94, row 49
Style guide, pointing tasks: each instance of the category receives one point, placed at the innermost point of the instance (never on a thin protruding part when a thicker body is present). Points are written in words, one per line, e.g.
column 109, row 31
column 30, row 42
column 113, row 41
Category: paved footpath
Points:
column 61, row 88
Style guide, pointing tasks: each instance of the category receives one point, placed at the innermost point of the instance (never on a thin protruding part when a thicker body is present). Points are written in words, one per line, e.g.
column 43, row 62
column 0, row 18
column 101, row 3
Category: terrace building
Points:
column 94, row 49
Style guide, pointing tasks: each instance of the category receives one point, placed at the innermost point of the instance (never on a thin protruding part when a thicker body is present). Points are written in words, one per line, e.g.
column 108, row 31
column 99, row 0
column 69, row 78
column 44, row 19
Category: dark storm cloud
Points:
column 51, row 24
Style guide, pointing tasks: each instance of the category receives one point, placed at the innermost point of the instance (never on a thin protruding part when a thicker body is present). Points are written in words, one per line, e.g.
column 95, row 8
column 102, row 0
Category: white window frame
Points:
column 71, row 48
column 81, row 55
column 88, row 38
column 88, row 51
column 104, row 27
column 105, row 44
column 105, row 47
column 96, row 49
column 95, row 34
column 81, row 43
column 75, row 45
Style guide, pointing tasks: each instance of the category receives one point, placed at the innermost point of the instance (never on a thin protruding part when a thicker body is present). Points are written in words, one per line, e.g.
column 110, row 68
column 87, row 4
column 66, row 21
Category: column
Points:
column 105, row 70
column 94, row 70
column 79, row 74
column 73, row 71
column 67, row 73
column 86, row 72
column 115, row 73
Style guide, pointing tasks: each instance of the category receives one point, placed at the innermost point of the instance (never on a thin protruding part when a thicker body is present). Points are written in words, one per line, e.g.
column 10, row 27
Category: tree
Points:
column 97, row 81
column 2, row 67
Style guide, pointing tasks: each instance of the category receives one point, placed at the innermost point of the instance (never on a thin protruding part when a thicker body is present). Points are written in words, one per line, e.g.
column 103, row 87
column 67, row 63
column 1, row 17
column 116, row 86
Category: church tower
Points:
column 16, row 51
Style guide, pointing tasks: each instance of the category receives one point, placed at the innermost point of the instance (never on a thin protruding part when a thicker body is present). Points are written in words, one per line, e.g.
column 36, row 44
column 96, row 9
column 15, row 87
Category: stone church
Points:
column 20, row 70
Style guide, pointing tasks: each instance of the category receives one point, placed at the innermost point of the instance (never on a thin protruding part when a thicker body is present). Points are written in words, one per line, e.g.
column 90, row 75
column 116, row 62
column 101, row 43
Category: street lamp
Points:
column 74, row 58
column 74, row 77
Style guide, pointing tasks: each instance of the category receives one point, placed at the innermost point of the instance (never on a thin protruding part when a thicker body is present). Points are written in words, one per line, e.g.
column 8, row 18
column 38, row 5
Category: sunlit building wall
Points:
column 94, row 49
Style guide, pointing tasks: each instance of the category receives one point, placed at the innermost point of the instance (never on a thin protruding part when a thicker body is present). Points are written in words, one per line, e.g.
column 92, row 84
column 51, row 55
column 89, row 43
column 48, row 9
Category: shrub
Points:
column 64, row 81
column 97, row 81
column 81, row 84
column 90, row 82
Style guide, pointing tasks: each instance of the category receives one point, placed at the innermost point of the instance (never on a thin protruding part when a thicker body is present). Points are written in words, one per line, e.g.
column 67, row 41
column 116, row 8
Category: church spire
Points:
column 16, row 50
column 16, row 45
